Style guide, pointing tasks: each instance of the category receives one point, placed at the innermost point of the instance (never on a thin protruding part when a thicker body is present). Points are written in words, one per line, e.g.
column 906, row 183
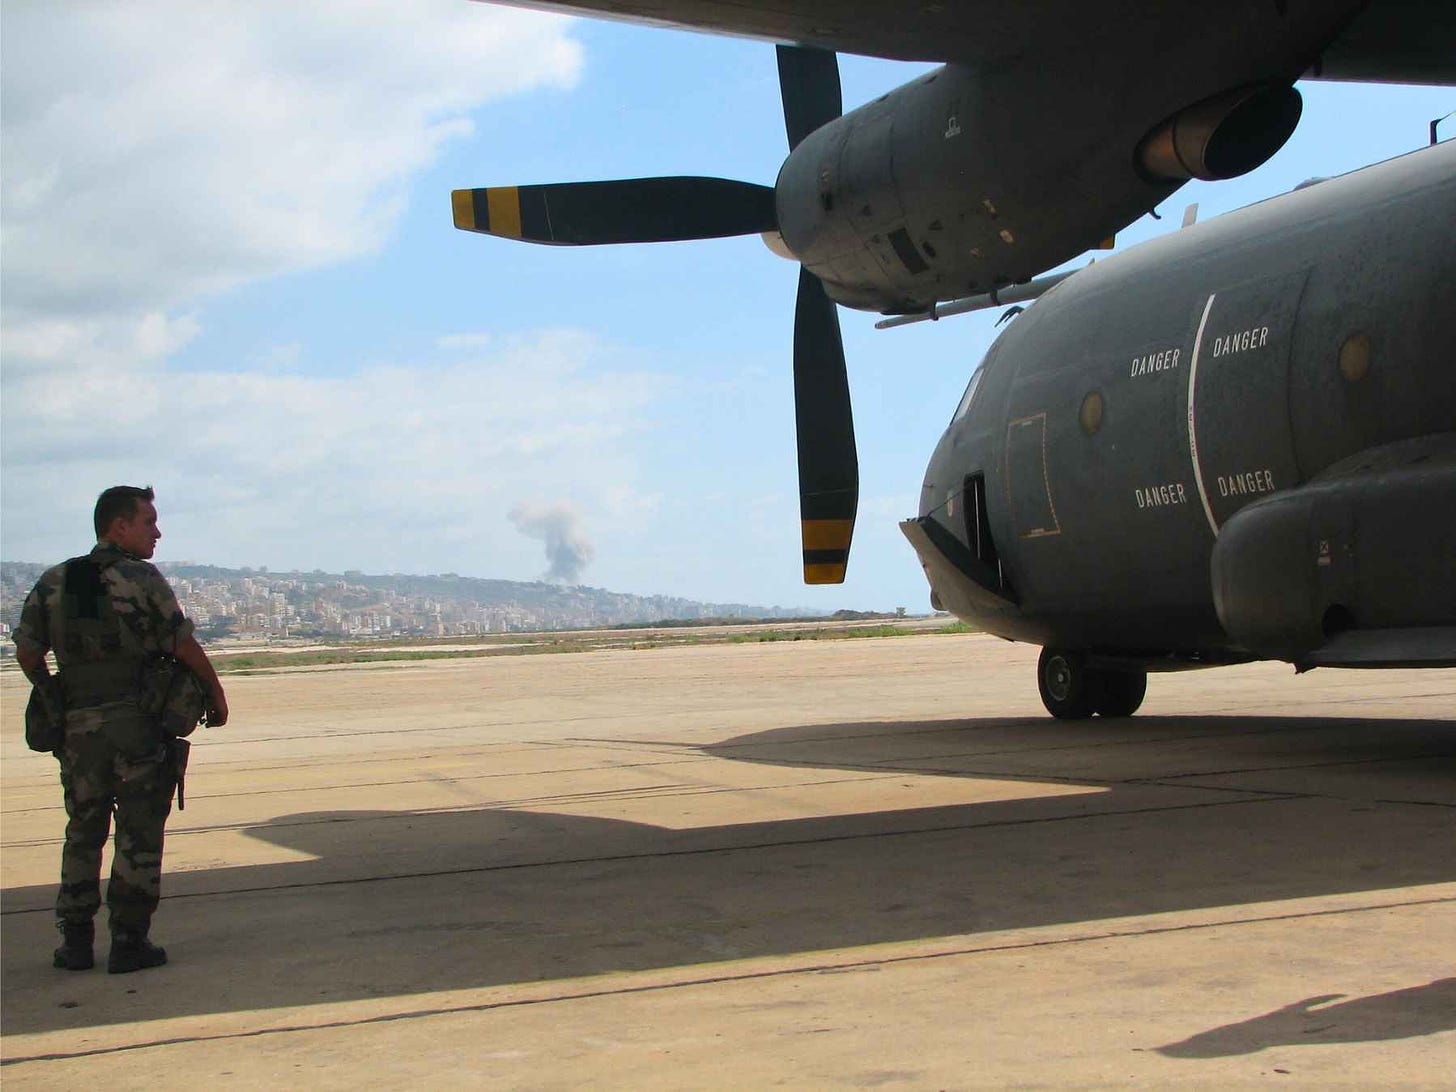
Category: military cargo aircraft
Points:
column 1235, row 441
column 1148, row 459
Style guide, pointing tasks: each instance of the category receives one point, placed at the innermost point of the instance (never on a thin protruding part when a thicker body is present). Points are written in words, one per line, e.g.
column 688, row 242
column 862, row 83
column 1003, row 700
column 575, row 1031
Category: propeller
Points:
column 650, row 210
column 823, row 420
column 809, row 87
column 634, row 210
column 828, row 467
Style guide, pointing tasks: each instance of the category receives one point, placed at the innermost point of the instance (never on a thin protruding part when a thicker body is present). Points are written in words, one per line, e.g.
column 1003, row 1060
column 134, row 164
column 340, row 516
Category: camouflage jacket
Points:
column 102, row 631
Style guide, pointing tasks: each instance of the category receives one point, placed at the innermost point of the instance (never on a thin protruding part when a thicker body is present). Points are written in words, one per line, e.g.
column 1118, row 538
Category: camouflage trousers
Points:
column 113, row 760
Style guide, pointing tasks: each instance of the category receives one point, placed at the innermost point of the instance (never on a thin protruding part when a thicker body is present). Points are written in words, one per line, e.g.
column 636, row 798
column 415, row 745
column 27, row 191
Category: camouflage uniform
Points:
column 103, row 615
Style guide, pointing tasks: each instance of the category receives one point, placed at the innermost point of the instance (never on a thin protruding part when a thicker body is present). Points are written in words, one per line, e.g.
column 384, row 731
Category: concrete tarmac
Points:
column 862, row 863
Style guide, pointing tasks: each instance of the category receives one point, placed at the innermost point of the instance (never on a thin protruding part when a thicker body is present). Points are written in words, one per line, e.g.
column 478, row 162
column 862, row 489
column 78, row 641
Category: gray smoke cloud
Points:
column 568, row 550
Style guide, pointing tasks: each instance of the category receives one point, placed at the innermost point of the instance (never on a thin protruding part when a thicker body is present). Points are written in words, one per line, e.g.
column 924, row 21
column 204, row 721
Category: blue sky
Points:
column 229, row 270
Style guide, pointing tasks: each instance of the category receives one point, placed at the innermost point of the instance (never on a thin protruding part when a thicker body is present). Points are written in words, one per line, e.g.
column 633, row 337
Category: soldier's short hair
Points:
column 119, row 501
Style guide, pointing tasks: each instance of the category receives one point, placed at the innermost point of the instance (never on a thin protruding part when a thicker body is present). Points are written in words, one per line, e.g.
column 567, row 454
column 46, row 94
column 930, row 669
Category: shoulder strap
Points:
column 82, row 589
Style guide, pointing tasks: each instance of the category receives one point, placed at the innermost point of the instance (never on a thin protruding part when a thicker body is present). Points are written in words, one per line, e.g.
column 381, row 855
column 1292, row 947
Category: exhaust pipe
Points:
column 1221, row 137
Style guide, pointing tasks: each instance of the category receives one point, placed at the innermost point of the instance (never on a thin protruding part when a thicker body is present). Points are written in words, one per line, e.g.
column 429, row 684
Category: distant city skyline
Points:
column 257, row 603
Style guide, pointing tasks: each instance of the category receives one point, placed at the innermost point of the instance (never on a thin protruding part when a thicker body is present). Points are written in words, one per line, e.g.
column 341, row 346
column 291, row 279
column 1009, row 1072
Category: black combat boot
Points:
column 132, row 951
column 75, row 954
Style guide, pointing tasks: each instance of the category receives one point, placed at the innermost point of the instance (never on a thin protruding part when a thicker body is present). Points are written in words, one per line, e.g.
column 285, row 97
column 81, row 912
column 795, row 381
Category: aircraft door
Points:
column 1239, row 436
column 1028, row 485
column 978, row 521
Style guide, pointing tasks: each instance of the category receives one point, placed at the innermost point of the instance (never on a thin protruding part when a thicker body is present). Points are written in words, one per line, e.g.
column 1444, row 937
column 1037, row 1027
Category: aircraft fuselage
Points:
column 1236, row 440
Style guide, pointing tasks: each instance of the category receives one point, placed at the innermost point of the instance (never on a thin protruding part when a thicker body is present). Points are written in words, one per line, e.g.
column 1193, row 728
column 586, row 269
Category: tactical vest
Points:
column 100, row 657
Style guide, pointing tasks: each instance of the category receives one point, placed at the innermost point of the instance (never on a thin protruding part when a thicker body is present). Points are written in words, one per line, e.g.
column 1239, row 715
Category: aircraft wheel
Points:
column 1120, row 692
column 1067, row 684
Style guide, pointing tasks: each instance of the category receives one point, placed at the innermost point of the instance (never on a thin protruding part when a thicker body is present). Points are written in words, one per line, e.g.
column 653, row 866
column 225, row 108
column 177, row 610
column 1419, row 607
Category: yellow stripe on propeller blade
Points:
column 493, row 211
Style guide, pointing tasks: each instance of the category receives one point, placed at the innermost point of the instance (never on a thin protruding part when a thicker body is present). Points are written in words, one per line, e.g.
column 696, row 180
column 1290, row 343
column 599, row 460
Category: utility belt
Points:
column 170, row 701
column 160, row 686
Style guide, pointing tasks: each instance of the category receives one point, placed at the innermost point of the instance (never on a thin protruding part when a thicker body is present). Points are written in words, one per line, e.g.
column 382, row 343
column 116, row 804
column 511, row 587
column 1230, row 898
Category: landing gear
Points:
column 1071, row 690
column 1122, row 693
column 1066, row 684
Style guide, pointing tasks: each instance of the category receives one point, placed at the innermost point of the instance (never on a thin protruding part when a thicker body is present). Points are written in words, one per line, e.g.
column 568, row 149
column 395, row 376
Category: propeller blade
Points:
column 634, row 210
column 828, row 466
column 809, row 86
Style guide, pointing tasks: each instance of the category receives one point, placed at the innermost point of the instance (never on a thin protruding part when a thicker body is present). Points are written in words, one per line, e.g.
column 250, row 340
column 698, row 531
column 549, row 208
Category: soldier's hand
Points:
column 217, row 712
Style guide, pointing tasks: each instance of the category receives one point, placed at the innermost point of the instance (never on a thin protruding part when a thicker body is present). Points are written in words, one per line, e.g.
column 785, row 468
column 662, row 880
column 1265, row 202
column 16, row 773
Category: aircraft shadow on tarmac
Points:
column 395, row 902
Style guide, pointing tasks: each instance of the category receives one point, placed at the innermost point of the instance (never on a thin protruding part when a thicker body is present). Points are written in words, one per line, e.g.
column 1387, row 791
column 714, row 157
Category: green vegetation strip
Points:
column 247, row 663
column 840, row 634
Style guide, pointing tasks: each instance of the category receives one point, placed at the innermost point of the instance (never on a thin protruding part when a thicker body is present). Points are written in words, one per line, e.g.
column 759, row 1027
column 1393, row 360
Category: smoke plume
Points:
column 568, row 550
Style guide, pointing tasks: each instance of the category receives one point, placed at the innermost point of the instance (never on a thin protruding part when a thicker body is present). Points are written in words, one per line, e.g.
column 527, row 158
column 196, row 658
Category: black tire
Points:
column 1068, row 686
column 1119, row 693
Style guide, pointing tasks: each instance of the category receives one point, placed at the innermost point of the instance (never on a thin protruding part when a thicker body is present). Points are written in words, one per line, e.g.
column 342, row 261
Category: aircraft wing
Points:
column 1382, row 41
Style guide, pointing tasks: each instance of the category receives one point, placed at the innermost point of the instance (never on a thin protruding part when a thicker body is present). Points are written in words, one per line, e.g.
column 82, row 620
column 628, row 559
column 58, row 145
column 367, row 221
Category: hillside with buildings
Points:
column 256, row 603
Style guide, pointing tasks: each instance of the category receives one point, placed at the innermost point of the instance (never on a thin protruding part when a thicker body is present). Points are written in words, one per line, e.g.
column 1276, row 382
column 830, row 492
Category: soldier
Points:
column 104, row 614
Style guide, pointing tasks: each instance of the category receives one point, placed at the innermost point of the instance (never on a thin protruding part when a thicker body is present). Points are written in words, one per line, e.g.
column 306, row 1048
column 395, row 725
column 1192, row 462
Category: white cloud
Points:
column 393, row 467
column 116, row 341
column 156, row 152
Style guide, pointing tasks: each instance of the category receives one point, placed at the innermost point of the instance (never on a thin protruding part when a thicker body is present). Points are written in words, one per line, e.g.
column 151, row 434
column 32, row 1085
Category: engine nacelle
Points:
column 1369, row 548
column 942, row 189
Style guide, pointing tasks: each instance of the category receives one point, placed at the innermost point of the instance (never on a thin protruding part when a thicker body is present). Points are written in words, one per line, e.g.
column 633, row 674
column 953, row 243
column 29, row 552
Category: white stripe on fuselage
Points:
column 1192, row 426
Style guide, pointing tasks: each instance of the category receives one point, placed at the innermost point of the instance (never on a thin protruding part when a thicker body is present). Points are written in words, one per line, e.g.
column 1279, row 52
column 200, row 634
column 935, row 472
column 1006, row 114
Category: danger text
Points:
column 1241, row 342
column 1252, row 481
column 1165, row 360
column 1158, row 496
